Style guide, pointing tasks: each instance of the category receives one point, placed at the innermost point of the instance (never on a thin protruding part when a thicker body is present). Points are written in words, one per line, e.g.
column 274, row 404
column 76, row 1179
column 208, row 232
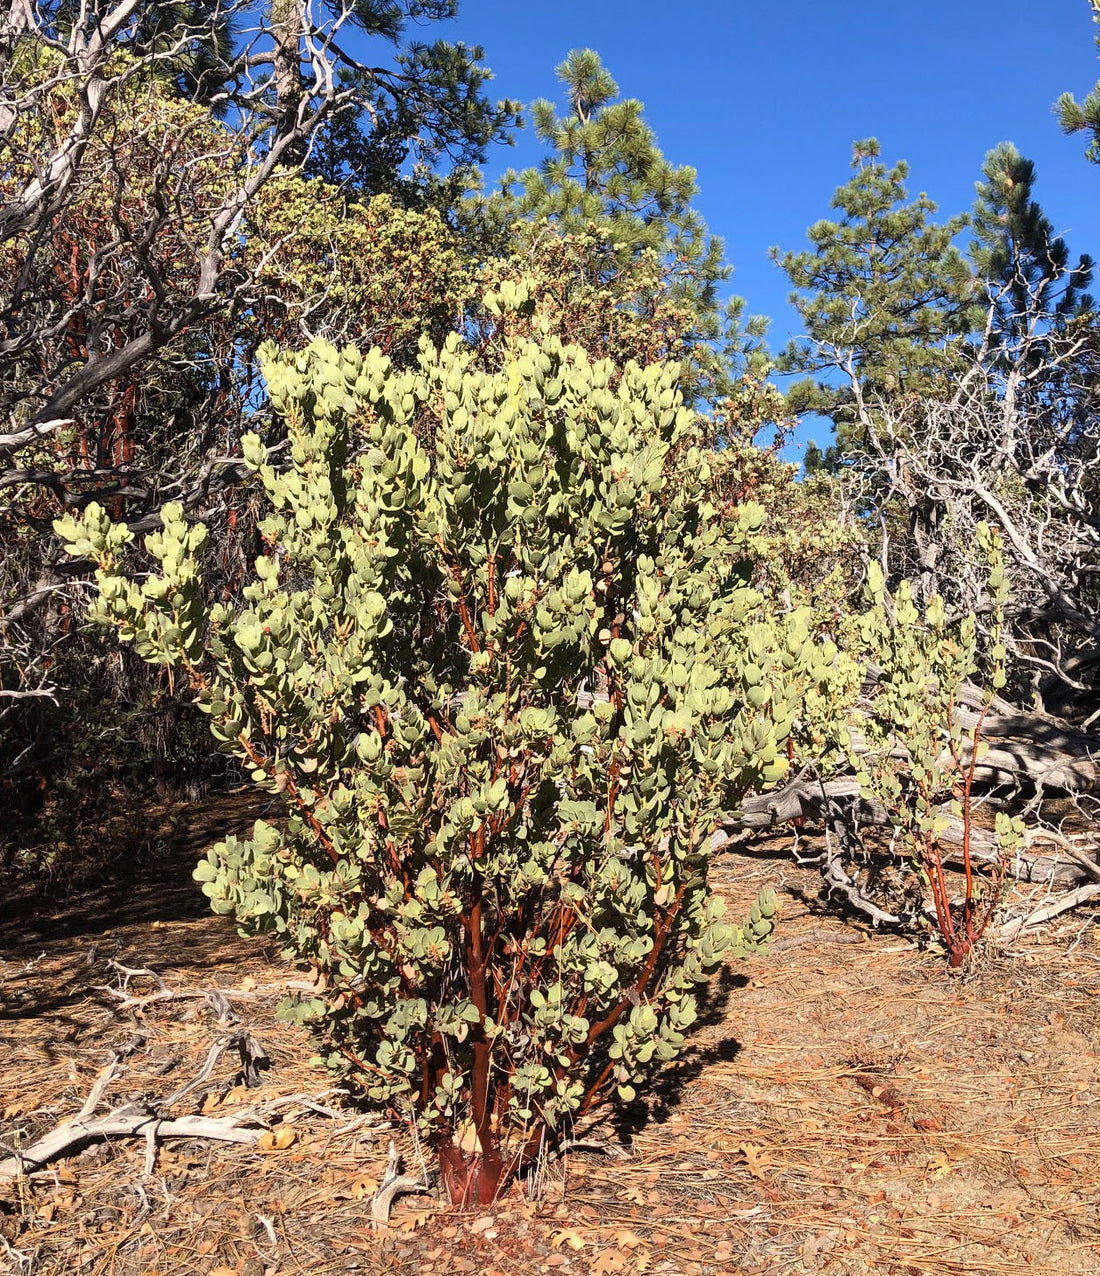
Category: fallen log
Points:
column 810, row 799
column 1025, row 749
column 1013, row 763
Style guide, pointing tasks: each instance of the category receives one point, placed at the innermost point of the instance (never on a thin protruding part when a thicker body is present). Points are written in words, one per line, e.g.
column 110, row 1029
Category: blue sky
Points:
column 764, row 101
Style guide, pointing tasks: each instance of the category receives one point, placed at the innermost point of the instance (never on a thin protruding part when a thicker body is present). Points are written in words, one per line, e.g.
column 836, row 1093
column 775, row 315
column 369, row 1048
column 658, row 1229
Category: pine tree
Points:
column 386, row 143
column 1039, row 319
column 1083, row 117
column 607, row 169
column 1023, row 263
column 882, row 294
column 432, row 101
column 606, row 173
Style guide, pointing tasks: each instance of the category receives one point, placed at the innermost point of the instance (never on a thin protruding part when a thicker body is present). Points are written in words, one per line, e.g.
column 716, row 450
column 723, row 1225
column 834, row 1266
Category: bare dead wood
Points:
column 1040, row 729
column 1011, row 930
column 150, row 1122
column 843, row 843
column 215, row 1053
column 1018, row 763
column 216, row 998
column 592, row 1146
column 809, row 800
column 1033, row 763
column 219, row 999
column 95, row 1094
column 135, row 1121
column 241, row 1127
column 144, row 1120
column 840, row 884
column 394, row 1184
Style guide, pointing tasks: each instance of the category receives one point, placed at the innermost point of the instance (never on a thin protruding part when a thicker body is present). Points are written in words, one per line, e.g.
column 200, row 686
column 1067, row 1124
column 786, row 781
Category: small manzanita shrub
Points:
column 923, row 743
column 505, row 674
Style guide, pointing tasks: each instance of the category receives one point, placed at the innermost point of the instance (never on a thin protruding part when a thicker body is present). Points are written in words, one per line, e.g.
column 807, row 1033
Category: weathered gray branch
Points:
column 810, row 799
column 1055, row 907
column 394, row 1184
column 242, row 1127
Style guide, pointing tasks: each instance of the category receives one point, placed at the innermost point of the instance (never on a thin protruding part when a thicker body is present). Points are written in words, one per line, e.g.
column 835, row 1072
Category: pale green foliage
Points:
column 369, row 273
column 506, row 674
column 922, row 664
column 921, row 742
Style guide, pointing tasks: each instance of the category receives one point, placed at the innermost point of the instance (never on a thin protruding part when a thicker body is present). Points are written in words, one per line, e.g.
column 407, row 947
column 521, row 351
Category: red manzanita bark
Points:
column 471, row 1179
column 961, row 931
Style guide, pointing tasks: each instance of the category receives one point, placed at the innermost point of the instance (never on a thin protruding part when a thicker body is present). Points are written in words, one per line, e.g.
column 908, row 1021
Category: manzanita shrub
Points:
column 923, row 742
column 505, row 674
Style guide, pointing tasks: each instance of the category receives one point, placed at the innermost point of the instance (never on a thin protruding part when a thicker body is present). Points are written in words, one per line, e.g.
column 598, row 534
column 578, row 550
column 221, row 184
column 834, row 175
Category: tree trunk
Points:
column 471, row 1178
column 287, row 27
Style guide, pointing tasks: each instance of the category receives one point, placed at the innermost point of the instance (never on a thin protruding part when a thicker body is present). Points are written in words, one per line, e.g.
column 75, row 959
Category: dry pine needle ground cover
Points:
column 848, row 1107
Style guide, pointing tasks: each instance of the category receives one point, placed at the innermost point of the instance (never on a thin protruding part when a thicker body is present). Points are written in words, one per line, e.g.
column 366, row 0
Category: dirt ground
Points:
column 848, row 1107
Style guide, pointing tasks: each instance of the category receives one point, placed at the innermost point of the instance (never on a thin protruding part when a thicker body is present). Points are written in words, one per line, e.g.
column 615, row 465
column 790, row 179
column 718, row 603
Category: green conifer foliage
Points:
column 607, row 179
column 424, row 149
column 1024, row 264
column 606, row 169
column 1083, row 117
column 881, row 294
column 505, row 674
column 195, row 40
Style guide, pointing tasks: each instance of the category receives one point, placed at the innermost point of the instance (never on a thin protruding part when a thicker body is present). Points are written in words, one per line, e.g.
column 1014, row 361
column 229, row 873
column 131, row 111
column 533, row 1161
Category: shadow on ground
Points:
column 147, row 883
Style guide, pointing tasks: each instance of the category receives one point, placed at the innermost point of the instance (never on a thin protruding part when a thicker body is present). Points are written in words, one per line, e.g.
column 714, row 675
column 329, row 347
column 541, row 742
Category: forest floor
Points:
column 847, row 1107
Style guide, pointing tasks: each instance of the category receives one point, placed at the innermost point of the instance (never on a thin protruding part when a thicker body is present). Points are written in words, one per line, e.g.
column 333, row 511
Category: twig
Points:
column 1091, row 867
column 832, row 872
column 106, row 1076
column 136, row 972
column 602, row 1147
column 216, row 1052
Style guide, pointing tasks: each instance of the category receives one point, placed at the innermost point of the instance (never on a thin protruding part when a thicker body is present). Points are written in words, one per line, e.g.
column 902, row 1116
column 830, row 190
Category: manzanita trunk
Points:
column 471, row 1178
